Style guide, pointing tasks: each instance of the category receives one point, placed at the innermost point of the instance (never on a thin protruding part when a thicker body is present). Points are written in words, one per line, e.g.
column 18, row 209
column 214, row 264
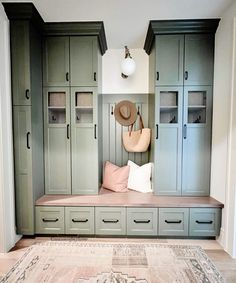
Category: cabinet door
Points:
column 57, row 140
column 168, row 140
column 169, row 59
column 199, row 59
column 84, row 151
column 56, row 61
column 197, row 141
column 83, row 61
column 20, row 57
column 23, row 170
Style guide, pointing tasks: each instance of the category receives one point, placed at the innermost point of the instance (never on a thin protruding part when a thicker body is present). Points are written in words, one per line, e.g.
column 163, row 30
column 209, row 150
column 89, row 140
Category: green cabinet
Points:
column 142, row 221
column 26, row 62
column 49, row 220
column 79, row 220
column 57, row 140
column 84, row 135
column 23, row 169
column 198, row 59
column 56, row 61
column 181, row 80
column 70, row 61
column 184, row 59
column 169, row 59
column 197, row 140
column 205, row 222
column 20, row 56
column 168, row 140
column 83, row 61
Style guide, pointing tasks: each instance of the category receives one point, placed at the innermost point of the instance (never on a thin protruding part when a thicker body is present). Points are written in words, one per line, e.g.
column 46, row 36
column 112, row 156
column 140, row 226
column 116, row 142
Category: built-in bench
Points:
column 131, row 213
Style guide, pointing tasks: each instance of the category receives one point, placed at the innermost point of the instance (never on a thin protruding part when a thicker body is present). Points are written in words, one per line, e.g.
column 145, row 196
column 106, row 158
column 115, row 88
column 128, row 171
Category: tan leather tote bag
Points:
column 137, row 141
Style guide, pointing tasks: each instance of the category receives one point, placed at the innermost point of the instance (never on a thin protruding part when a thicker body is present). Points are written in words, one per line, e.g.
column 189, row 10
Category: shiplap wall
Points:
column 113, row 149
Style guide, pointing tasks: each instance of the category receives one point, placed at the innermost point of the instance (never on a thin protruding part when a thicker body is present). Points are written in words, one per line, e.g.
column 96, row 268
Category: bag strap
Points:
column 130, row 129
column 141, row 125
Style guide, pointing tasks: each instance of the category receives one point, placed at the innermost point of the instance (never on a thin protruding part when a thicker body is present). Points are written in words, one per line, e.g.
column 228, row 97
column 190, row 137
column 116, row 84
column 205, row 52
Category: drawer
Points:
column 142, row 221
column 49, row 220
column 205, row 221
column 79, row 220
column 173, row 221
column 110, row 220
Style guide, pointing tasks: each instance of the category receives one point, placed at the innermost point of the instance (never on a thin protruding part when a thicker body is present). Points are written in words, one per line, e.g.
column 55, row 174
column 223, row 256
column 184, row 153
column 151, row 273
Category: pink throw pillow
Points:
column 115, row 178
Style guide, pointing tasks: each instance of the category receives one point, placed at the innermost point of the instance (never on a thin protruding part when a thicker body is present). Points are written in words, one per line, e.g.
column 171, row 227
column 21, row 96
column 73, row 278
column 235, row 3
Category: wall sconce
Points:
column 127, row 65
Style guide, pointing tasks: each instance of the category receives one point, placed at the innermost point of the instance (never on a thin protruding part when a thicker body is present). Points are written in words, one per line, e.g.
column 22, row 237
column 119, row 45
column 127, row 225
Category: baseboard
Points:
column 221, row 238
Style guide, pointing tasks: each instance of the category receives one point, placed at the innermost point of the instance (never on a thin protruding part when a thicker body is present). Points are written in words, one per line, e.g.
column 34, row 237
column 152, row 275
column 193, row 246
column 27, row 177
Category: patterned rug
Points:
column 114, row 262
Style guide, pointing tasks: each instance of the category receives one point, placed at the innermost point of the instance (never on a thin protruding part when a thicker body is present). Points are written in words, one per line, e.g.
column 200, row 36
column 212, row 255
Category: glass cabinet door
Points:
column 56, row 107
column 84, row 107
column 168, row 140
column 197, row 140
column 57, row 135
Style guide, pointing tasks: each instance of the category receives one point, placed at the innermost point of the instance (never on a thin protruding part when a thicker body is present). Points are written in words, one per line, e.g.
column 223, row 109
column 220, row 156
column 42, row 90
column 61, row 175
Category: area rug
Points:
column 77, row 262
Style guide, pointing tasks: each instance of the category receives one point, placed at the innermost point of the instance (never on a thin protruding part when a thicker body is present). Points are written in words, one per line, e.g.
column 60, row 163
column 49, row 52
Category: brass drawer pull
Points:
column 79, row 220
column 27, row 94
column 50, row 219
column 110, row 221
column 204, row 222
column 142, row 221
column 173, row 221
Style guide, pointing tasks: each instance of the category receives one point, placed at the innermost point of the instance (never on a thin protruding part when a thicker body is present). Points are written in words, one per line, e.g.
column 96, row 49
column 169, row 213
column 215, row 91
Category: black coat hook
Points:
column 112, row 112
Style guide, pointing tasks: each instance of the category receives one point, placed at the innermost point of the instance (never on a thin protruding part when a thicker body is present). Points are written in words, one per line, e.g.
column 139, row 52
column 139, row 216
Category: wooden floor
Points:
column 225, row 264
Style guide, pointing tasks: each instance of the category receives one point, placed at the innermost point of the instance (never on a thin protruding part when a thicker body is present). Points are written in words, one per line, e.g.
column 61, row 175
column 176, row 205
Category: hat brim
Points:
column 133, row 113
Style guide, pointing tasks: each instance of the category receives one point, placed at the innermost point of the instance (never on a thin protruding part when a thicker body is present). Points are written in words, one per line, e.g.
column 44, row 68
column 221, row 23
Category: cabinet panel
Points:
column 110, row 220
column 169, row 59
column 79, row 220
column 205, row 222
column 56, row 61
column 173, row 221
column 199, row 58
column 23, row 170
column 84, row 151
column 197, row 141
column 57, row 141
column 49, row 220
column 142, row 221
column 83, row 61
column 168, row 142
column 20, row 57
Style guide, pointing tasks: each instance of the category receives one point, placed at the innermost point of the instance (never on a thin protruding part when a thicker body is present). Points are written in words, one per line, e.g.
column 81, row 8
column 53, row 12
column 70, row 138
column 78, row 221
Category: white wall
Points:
column 223, row 169
column 112, row 82
column 7, row 211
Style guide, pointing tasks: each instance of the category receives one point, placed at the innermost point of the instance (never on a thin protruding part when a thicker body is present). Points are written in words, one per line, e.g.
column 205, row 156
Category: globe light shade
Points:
column 128, row 67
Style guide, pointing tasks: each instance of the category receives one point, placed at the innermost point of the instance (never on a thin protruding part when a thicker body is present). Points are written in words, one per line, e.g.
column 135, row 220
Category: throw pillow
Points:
column 139, row 177
column 115, row 178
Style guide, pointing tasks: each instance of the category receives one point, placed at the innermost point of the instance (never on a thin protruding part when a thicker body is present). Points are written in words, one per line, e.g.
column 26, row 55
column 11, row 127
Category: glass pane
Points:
column 84, row 107
column 197, row 107
column 84, row 99
column 84, row 115
column 168, row 107
column 57, row 107
column 57, row 116
column 57, row 99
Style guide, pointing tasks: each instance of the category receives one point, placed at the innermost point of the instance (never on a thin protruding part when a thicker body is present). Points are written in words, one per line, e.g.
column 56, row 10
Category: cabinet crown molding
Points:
column 178, row 27
column 27, row 11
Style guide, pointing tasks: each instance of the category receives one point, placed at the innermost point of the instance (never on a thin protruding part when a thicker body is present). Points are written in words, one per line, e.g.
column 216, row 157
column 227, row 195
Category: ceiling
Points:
column 126, row 22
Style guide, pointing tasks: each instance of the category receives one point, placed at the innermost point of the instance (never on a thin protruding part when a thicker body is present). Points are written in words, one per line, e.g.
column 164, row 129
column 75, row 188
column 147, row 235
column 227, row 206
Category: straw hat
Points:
column 125, row 113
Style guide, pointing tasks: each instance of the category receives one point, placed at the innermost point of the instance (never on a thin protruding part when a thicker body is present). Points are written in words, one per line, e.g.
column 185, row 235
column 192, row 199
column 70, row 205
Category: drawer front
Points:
column 205, row 221
column 79, row 220
column 110, row 220
column 142, row 221
column 173, row 221
column 49, row 220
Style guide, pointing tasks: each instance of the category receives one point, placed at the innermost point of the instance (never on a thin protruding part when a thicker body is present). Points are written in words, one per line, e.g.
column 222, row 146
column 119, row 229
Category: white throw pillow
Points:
column 139, row 177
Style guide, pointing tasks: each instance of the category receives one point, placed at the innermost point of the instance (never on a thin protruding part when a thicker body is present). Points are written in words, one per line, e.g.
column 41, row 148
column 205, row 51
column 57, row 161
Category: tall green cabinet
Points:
column 26, row 63
column 71, row 120
column 181, row 80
